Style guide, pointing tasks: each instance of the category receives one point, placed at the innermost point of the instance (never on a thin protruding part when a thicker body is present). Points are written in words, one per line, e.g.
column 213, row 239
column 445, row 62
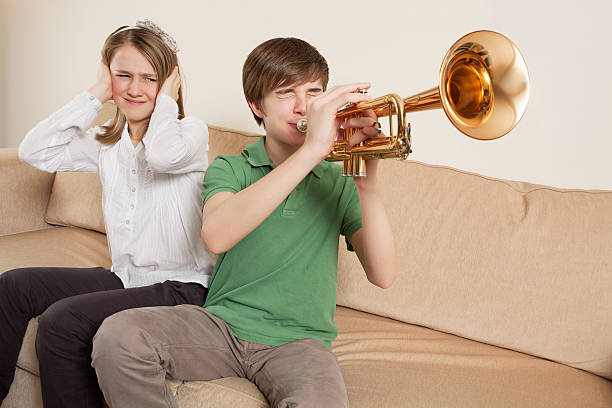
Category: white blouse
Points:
column 151, row 193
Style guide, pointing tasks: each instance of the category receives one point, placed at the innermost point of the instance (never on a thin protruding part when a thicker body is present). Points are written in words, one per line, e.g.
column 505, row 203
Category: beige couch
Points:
column 504, row 298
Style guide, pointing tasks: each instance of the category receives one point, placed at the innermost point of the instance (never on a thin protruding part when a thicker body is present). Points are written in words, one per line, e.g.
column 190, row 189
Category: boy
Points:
column 274, row 215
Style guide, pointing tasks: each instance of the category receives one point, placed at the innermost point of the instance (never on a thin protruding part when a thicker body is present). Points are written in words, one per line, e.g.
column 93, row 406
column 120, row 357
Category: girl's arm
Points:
column 62, row 142
column 173, row 145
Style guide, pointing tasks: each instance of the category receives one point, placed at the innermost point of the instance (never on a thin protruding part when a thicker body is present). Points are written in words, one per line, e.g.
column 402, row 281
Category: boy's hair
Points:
column 159, row 55
column 279, row 62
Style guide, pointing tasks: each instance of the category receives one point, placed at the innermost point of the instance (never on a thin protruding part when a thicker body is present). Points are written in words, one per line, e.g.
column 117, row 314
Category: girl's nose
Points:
column 134, row 88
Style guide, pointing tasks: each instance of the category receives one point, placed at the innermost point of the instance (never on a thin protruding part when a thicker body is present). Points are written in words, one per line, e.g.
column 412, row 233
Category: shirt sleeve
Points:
column 172, row 145
column 351, row 222
column 220, row 176
column 62, row 142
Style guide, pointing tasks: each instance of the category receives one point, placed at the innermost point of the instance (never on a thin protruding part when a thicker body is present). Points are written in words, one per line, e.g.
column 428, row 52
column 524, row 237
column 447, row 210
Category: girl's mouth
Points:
column 133, row 102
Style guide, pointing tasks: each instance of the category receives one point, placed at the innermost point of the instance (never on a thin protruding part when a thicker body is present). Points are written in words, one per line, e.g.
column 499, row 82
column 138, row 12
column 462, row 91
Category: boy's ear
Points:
column 256, row 109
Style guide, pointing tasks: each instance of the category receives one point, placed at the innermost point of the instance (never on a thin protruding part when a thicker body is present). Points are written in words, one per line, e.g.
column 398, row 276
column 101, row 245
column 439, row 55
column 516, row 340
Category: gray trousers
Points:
column 134, row 351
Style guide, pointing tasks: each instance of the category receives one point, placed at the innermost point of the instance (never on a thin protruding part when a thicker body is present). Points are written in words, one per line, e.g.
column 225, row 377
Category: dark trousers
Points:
column 72, row 303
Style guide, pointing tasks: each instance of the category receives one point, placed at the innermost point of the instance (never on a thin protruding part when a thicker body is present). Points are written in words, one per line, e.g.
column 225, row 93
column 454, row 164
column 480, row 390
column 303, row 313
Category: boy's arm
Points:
column 373, row 242
column 229, row 217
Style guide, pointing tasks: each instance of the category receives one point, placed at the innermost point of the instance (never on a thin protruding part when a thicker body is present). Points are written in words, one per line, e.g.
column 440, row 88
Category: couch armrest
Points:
column 24, row 194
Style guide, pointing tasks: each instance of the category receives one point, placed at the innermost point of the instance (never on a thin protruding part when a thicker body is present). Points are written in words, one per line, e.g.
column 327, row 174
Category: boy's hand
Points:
column 172, row 84
column 368, row 128
column 321, row 114
column 367, row 124
column 103, row 88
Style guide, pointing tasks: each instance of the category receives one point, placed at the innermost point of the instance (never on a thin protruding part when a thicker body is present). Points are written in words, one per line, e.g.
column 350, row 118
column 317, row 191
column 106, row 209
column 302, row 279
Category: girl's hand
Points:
column 172, row 84
column 103, row 88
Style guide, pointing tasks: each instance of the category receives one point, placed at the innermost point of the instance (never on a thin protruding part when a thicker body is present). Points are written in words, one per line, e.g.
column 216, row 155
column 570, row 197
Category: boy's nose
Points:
column 300, row 105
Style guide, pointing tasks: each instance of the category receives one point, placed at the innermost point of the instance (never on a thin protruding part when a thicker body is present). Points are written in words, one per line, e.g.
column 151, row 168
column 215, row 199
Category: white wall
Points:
column 3, row 41
column 564, row 139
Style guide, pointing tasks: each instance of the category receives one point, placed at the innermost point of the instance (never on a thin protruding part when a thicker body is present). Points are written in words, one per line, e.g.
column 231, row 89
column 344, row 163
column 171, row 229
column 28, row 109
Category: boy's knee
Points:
column 316, row 396
column 119, row 339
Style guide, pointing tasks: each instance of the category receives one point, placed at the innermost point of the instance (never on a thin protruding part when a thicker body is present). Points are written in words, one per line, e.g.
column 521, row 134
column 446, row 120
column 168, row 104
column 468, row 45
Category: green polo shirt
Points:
column 278, row 284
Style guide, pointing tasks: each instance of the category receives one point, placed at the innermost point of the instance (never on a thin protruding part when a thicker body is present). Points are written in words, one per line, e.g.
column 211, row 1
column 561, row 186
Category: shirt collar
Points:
column 127, row 141
column 257, row 156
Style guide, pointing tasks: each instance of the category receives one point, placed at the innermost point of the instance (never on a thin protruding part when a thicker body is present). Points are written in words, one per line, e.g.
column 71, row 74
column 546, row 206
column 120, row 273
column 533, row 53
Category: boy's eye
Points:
column 285, row 92
column 151, row 79
column 123, row 75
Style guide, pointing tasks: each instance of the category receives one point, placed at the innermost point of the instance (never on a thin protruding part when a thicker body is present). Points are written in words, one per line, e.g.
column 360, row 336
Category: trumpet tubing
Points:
column 483, row 89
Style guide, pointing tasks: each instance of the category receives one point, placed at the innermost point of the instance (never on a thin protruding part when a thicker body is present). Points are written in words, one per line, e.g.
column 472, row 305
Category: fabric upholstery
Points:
column 227, row 141
column 221, row 393
column 521, row 266
column 25, row 391
column 76, row 201
column 24, row 197
column 60, row 246
column 388, row 363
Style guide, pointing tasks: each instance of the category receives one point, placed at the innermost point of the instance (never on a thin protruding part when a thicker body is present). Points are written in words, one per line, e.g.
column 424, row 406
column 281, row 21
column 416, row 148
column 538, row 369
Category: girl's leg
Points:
column 27, row 292
column 66, row 330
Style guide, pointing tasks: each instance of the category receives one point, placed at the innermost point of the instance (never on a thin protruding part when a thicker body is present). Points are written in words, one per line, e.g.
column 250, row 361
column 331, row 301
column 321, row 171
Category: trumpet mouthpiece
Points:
column 302, row 125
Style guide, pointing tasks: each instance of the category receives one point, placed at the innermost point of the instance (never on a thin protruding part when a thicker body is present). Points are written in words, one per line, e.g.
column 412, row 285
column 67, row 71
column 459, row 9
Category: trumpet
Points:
column 483, row 89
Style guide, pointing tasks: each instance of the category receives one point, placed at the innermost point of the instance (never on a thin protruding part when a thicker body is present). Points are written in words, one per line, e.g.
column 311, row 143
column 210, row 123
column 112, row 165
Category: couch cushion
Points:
column 25, row 194
column 518, row 265
column 221, row 393
column 224, row 141
column 25, row 391
column 386, row 363
column 59, row 246
column 76, row 201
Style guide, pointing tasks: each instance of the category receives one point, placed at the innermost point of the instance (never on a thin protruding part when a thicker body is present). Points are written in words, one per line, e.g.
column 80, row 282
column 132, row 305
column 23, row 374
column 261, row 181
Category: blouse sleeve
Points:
column 172, row 145
column 62, row 142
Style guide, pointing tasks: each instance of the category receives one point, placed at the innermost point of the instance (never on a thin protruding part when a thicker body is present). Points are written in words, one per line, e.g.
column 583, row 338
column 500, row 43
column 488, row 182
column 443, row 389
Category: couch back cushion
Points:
column 76, row 201
column 24, row 194
column 76, row 198
column 513, row 264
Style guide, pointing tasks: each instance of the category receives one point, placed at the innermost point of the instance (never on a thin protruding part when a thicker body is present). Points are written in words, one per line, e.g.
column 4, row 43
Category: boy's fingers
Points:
column 338, row 94
column 361, row 122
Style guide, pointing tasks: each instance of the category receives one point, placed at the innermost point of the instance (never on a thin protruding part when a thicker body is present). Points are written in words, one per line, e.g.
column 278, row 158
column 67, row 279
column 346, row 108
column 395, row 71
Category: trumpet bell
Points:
column 483, row 89
column 484, row 85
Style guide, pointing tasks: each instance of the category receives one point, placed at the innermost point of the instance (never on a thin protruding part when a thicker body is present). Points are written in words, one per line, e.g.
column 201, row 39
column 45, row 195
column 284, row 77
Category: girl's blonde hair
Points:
column 159, row 55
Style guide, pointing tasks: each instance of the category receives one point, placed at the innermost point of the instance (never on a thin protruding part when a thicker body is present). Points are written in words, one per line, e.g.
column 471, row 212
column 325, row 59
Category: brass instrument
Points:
column 483, row 89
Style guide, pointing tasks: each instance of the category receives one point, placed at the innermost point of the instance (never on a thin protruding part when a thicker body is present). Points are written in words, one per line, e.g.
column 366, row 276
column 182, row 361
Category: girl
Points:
column 151, row 161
